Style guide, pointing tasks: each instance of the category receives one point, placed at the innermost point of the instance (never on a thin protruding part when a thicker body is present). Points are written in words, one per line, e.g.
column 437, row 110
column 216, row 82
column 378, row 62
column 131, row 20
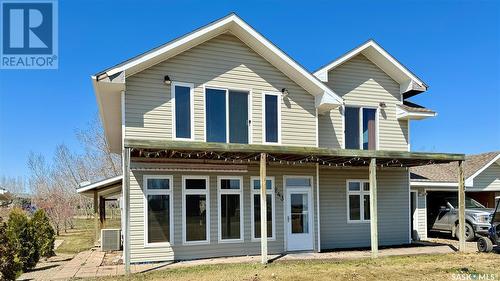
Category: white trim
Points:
column 409, row 204
column 227, row 90
column 433, row 183
column 254, row 192
column 191, row 108
column 221, row 192
column 110, row 181
column 414, row 222
column 317, row 128
column 361, row 193
column 279, row 102
column 360, row 125
column 309, row 190
column 238, row 27
column 168, row 192
column 408, row 136
column 205, row 192
column 322, row 73
column 403, row 114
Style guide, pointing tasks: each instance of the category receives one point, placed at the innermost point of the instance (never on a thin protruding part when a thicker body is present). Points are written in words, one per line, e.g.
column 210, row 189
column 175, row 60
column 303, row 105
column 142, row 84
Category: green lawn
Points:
column 424, row 267
column 82, row 236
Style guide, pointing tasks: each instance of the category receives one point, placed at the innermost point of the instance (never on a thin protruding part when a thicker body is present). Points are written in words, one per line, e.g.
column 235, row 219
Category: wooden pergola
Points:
column 202, row 152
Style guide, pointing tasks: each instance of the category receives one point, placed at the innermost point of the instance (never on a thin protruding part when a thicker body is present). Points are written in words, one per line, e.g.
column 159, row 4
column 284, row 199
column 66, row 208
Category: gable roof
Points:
column 473, row 166
column 410, row 84
column 109, row 83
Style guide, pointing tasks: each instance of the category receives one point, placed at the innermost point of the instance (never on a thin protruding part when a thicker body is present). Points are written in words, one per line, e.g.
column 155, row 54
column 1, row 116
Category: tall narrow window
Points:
column 182, row 110
column 215, row 115
column 255, row 185
column 196, row 208
column 271, row 116
column 158, row 204
column 358, row 201
column 226, row 115
column 360, row 128
column 230, row 209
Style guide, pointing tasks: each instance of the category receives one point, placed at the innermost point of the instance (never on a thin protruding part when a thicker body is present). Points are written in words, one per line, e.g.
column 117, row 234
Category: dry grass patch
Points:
column 424, row 267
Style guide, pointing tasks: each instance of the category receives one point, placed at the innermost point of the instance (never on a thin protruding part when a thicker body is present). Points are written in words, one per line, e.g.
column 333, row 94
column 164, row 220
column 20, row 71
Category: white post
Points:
column 126, row 199
column 263, row 209
column 373, row 207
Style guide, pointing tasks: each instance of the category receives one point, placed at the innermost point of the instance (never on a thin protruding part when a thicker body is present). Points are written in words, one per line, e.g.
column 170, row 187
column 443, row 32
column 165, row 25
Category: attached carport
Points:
column 102, row 191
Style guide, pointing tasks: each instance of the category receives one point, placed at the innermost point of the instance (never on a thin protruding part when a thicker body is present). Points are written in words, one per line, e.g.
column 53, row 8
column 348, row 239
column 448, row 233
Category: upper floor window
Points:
column 182, row 110
column 227, row 115
column 271, row 117
column 360, row 128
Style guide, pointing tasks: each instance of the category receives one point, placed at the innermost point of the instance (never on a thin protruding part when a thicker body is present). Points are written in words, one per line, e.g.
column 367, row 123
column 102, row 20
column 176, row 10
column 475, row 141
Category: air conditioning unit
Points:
column 110, row 239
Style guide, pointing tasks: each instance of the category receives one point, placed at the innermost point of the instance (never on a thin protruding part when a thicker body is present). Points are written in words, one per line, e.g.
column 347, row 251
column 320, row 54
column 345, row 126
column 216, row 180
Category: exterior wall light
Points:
column 382, row 105
column 167, row 80
column 284, row 92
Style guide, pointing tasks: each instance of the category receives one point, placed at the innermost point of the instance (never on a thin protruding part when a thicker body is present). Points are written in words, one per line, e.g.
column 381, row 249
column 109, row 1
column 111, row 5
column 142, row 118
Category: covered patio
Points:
column 195, row 153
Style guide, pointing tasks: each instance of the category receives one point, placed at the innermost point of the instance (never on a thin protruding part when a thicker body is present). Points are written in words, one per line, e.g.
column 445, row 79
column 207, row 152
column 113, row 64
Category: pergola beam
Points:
column 373, row 207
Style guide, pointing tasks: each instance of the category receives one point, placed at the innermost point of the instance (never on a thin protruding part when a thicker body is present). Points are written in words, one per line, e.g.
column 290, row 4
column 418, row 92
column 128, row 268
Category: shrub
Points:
column 21, row 232
column 44, row 233
column 10, row 266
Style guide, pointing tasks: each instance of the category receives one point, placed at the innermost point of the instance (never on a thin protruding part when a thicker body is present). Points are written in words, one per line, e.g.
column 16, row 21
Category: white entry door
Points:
column 299, row 211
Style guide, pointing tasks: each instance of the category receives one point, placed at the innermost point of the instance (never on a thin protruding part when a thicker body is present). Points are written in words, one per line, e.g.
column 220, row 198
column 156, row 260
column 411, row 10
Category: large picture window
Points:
column 255, row 186
column 182, row 111
column 196, row 210
column 360, row 128
column 358, row 200
column 230, row 201
column 271, row 115
column 227, row 115
column 158, row 210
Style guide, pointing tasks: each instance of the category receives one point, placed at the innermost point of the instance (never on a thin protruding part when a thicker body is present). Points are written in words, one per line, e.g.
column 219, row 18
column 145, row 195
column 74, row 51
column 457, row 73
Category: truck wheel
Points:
column 484, row 245
column 470, row 235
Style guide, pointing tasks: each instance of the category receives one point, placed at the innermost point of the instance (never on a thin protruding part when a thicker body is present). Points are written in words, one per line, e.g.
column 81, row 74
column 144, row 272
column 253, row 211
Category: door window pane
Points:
column 299, row 212
column 215, row 115
column 158, row 218
column 230, row 184
column 196, row 217
column 271, row 112
column 351, row 127
column 354, row 207
column 354, row 186
column 158, row 183
column 182, row 112
column 230, row 216
column 256, row 215
column 196, row 184
column 369, row 128
column 366, row 186
column 366, row 207
column 238, row 117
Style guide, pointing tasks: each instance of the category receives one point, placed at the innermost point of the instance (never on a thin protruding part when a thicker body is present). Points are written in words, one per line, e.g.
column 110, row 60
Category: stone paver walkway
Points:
column 88, row 263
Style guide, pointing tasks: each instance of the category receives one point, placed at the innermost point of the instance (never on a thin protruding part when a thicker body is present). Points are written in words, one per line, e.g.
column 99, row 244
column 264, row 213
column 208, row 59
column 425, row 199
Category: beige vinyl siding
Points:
column 421, row 213
column 330, row 128
column 178, row 251
column 362, row 83
column 223, row 61
column 393, row 209
column 487, row 180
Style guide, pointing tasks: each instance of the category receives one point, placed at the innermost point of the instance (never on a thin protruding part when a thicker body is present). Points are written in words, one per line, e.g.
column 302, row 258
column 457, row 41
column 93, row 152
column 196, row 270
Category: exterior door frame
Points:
column 287, row 223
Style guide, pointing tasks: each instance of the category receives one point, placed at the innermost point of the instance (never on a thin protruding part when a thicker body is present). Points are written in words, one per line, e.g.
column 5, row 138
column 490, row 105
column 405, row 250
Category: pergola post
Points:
column 461, row 206
column 373, row 207
column 97, row 224
column 126, row 203
column 263, row 208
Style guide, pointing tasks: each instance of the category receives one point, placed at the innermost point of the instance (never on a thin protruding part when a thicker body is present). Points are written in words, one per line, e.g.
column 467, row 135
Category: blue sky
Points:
column 454, row 46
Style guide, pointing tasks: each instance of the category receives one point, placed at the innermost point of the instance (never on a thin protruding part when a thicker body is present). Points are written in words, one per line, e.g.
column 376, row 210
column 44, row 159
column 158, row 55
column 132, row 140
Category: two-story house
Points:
column 204, row 119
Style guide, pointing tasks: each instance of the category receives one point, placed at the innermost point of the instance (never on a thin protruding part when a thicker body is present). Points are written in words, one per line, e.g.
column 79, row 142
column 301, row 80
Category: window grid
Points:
column 204, row 192
column 222, row 192
column 364, row 191
column 147, row 193
column 257, row 192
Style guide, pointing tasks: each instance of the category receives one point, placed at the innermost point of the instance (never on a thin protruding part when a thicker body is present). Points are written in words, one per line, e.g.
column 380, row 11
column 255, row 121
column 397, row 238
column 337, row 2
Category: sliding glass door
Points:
column 226, row 116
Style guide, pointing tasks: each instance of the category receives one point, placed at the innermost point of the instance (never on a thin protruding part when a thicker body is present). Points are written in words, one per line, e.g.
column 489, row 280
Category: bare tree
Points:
column 13, row 184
